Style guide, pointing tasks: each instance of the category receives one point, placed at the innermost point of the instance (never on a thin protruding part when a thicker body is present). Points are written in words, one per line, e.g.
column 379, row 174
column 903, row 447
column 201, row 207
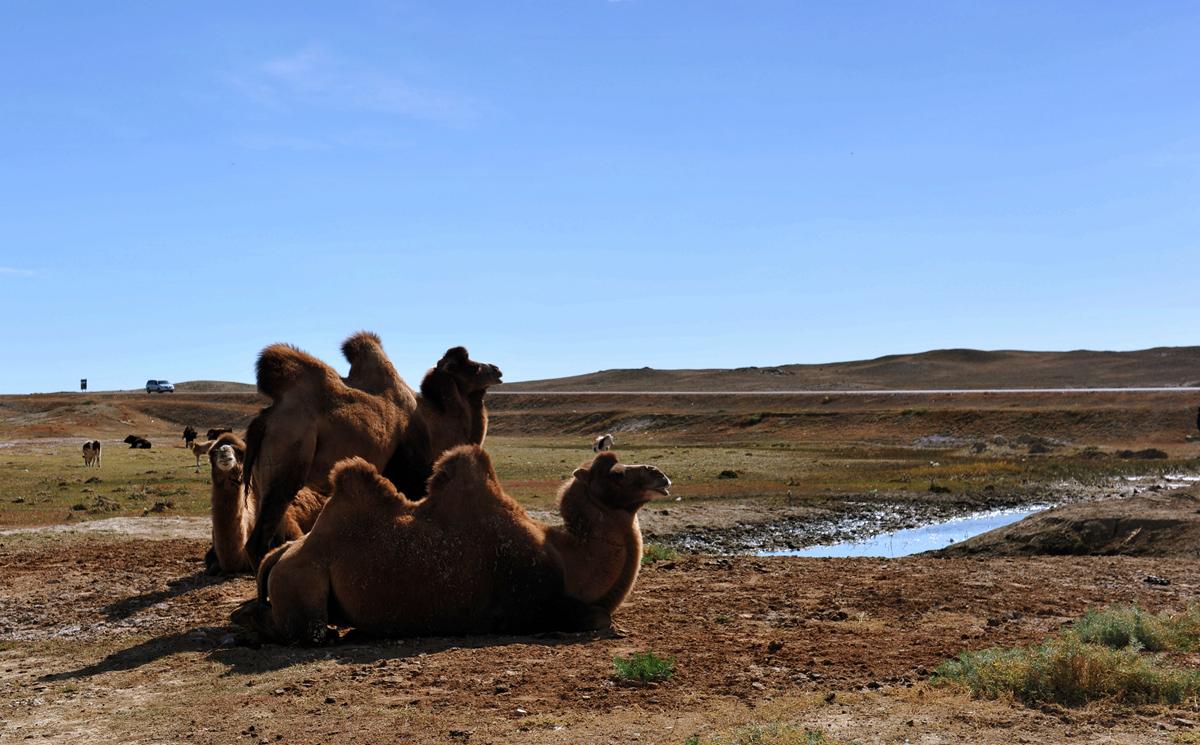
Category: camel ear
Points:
column 582, row 474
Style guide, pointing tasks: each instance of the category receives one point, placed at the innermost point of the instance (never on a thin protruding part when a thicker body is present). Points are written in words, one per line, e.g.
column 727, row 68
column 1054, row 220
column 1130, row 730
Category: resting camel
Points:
column 233, row 509
column 374, row 556
column 137, row 443
column 189, row 436
column 318, row 418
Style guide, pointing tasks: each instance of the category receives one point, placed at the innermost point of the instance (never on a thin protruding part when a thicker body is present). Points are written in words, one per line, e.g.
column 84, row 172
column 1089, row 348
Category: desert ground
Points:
column 111, row 632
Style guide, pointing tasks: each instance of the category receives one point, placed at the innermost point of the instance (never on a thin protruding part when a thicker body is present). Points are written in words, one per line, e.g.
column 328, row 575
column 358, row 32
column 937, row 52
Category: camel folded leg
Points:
column 297, row 607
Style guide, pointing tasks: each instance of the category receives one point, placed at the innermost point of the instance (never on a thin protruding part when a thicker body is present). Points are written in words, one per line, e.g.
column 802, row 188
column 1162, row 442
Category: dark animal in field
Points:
column 91, row 453
column 138, row 443
column 373, row 557
column 216, row 432
column 233, row 509
column 189, row 436
column 602, row 443
column 318, row 418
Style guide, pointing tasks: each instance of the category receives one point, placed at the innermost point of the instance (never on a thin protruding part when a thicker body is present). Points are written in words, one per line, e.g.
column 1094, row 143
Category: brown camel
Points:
column 233, row 509
column 373, row 558
column 318, row 418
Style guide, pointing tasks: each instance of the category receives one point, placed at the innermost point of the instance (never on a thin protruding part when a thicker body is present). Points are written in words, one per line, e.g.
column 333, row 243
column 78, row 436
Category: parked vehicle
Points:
column 159, row 386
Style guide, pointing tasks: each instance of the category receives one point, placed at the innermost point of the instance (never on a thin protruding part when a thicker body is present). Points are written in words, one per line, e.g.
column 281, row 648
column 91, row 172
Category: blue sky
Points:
column 577, row 185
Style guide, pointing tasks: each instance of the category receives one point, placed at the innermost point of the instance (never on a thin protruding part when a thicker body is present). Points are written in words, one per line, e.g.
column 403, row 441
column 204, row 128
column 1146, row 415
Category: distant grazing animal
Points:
column 189, row 436
column 138, row 443
column 91, row 453
column 317, row 419
column 200, row 449
column 233, row 509
column 216, row 432
column 602, row 444
column 374, row 555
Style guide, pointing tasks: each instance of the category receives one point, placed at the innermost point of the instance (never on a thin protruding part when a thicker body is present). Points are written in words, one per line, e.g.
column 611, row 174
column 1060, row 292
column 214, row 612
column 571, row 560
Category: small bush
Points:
column 1066, row 670
column 653, row 552
column 1128, row 625
column 644, row 667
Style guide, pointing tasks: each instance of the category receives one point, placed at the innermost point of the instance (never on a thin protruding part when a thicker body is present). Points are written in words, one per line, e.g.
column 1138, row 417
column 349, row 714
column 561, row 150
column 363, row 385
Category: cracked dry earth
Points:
column 119, row 639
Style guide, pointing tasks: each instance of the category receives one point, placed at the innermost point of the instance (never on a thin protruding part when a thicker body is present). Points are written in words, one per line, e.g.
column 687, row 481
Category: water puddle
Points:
column 915, row 540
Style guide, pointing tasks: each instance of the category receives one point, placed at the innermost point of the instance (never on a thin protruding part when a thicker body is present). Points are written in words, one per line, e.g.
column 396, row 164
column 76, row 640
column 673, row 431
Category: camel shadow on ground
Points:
column 122, row 609
column 246, row 656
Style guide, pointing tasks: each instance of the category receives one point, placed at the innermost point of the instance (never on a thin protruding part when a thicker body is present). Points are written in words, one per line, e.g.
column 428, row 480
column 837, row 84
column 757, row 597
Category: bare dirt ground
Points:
column 112, row 639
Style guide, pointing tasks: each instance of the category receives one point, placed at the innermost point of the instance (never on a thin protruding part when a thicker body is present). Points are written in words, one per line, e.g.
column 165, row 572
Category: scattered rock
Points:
column 1153, row 579
column 727, row 474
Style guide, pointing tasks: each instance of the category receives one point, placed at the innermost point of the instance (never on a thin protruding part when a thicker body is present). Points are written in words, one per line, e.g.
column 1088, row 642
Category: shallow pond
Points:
column 915, row 540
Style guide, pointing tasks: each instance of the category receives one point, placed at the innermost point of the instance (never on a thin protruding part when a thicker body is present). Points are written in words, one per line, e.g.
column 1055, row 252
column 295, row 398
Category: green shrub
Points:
column 652, row 553
column 1068, row 671
column 644, row 667
column 1128, row 625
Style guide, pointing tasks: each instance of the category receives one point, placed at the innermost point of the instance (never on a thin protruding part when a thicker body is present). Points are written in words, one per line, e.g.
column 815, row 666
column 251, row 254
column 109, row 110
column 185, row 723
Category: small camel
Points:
column 373, row 557
column 233, row 509
column 318, row 418
column 91, row 453
column 200, row 449
column 189, row 436
column 137, row 443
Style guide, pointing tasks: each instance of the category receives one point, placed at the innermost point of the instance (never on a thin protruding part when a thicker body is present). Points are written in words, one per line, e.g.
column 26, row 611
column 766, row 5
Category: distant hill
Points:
column 214, row 386
column 942, row 368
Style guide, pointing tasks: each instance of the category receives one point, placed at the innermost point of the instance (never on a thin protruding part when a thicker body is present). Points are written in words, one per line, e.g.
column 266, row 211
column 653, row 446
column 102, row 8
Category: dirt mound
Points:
column 1154, row 524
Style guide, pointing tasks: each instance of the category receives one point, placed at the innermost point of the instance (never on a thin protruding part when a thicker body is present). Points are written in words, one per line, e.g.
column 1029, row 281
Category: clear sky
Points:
column 576, row 185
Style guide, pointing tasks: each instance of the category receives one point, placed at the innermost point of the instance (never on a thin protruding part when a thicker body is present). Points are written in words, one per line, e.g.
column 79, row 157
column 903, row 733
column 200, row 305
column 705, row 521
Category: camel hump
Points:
column 355, row 481
column 466, row 469
column 281, row 367
column 361, row 345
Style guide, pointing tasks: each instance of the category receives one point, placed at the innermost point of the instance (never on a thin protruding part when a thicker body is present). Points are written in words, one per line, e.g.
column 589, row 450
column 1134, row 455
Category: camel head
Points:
column 227, row 455
column 616, row 486
column 468, row 375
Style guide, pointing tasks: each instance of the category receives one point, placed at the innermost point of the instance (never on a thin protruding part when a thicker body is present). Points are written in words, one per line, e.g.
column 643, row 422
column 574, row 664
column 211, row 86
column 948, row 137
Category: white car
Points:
column 159, row 386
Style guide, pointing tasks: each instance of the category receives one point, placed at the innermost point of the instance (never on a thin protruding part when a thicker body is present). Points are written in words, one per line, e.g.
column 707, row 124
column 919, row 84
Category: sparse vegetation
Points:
column 1107, row 655
column 644, row 667
column 775, row 733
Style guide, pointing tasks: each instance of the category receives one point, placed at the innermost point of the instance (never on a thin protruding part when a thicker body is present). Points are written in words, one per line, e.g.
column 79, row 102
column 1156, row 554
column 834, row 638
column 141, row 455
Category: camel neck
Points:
column 601, row 551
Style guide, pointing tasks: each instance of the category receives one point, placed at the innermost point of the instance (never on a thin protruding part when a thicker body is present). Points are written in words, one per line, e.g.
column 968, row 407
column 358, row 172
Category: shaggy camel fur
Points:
column 233, row 509
column 216, row 432
column 373, row 556
column 200, row 449
column 91, row 453
column 318, row 418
